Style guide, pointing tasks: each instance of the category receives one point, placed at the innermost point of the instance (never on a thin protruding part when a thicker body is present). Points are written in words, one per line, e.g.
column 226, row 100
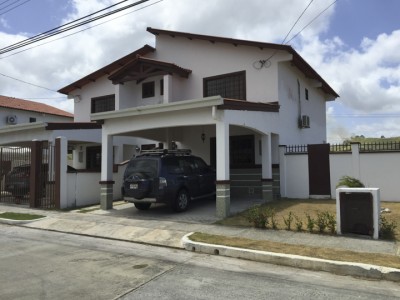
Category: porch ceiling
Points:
column 142, row 68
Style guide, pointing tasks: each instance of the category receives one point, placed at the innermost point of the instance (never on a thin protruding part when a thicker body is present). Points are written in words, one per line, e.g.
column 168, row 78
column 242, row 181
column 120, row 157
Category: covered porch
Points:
column 199, row 125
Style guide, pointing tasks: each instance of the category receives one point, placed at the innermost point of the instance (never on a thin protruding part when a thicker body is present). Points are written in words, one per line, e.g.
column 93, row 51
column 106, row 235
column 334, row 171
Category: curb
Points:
column 297, row 261
column 18, row 222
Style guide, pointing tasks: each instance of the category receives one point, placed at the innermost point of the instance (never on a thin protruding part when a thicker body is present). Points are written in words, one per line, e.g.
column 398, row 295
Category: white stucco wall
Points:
column 315, row 108
column 297, row 183
column 24, row 115
column 340, row 165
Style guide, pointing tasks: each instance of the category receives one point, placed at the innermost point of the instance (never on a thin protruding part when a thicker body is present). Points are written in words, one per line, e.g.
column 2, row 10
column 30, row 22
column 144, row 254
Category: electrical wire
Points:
column 39, row 86
column 63, row 28
column 3, row 13
column 90, row 27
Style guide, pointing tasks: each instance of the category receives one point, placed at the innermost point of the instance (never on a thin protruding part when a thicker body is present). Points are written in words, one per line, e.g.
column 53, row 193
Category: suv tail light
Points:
column 162, row 183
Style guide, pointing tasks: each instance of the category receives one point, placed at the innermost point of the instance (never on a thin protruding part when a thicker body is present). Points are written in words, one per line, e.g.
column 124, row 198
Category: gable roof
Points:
column 297, row 60
column 20, row 104
column 142, row 67
column 107, row 70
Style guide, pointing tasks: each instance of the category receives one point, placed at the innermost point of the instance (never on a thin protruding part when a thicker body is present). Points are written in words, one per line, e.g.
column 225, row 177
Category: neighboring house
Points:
column 233, row 102
column 15, row 111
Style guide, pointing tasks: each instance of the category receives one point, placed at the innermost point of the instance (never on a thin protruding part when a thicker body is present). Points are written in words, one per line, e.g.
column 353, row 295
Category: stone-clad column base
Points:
column 106, row 194
column 223, row 198
column 267, row 194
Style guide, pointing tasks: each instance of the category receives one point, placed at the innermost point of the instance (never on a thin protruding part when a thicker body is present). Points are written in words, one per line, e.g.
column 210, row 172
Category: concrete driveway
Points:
column 201, row 211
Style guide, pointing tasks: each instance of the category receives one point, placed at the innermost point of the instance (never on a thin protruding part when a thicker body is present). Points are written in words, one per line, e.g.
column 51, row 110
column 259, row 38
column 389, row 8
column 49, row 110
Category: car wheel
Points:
column 181, row 201
column 142, row 206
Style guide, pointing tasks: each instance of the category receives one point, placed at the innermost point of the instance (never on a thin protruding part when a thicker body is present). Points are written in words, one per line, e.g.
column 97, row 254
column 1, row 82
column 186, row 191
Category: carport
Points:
column 176, row 121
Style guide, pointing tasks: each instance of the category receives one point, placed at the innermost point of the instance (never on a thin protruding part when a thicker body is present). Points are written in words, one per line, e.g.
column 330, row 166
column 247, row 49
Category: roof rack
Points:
column 166, row 152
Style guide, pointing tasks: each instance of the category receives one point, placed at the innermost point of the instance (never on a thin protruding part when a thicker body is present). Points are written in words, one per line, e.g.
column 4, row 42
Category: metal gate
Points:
column 27, row 175
column 319, row 172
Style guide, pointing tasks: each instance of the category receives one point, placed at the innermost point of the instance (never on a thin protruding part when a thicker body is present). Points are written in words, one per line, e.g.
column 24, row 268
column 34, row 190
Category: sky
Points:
column 354, row 45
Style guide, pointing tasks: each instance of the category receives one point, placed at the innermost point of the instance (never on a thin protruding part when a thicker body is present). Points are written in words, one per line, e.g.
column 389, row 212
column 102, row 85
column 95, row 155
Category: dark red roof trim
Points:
column 107, row 70
column 232, row 104
column 72, row 126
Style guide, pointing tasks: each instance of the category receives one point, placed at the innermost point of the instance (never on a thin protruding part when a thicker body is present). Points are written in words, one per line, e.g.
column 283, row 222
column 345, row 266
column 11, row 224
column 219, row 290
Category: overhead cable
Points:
column 69, row 26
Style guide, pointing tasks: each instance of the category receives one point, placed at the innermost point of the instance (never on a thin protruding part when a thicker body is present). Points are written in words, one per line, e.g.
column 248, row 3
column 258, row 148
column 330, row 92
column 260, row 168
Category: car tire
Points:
column 181, row 201
column 142, row 206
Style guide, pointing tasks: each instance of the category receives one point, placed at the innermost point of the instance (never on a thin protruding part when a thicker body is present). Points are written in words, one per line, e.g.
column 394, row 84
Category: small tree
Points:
column 350, row 182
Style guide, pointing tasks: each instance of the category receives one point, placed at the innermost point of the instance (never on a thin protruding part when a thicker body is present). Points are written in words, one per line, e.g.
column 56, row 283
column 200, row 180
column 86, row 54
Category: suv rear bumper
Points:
column 144, row 200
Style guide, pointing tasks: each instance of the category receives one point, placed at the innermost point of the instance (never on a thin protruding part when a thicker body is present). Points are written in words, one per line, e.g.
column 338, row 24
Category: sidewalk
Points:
column 169, row 233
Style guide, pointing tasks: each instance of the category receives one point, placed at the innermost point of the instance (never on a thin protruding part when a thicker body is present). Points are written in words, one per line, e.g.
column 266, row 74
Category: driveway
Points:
column 201, row 211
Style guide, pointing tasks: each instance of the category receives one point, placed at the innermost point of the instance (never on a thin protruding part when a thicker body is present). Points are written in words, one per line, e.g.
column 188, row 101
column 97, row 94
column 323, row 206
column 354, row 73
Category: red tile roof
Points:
column 15, row 103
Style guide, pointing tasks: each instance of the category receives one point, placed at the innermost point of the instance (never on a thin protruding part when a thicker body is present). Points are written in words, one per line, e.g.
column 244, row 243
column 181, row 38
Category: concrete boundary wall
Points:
column 374, row 169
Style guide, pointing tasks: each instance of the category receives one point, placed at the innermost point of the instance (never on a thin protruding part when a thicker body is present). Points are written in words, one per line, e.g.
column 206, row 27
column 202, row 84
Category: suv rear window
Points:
column 148, row 167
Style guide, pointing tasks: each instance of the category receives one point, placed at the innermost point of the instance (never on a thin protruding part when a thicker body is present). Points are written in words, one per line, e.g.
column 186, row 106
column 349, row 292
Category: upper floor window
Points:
column 103, row 103
column 306, row 93
column 162, row 87
column 232, row 85
column 148, row 89
column 32, row 120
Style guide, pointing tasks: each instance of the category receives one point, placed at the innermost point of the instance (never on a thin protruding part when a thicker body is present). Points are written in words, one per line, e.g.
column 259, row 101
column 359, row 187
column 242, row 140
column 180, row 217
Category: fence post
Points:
column 36, row 161
column 282, row 169
column 355, row 157
column 61, row 153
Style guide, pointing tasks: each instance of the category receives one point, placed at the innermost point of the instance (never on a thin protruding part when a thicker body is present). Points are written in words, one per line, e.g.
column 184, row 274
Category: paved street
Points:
column 37, row 264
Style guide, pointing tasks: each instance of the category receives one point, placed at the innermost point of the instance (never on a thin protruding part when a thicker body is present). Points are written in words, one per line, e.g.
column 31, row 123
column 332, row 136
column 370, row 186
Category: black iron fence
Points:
column 387, row 146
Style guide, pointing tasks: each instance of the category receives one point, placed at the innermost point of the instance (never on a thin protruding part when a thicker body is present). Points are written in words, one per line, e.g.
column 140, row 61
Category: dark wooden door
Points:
column 319, row 171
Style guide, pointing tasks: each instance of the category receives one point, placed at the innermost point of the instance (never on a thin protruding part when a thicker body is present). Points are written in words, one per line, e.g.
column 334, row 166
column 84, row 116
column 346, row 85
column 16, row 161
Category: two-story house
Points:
column 232, row 102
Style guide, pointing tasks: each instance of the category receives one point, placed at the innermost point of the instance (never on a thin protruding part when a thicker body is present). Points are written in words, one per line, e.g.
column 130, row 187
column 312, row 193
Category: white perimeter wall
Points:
column 84, row 188
column 377, row 170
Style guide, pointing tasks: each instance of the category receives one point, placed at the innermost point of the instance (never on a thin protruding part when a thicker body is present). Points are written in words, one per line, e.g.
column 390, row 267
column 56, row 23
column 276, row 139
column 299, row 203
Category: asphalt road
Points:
column 37, row 264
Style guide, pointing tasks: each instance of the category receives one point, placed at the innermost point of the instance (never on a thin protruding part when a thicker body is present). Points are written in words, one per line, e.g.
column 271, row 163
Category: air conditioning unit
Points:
column 12, row 119
column 305, row 121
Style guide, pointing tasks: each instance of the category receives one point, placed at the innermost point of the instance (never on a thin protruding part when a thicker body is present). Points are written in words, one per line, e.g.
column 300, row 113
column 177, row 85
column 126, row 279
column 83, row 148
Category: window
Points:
column 104, row 103
column 93, row 158
column 32, row 120
column 148, row 89
column 231, row 86
column 162, row 87
column 306, row 93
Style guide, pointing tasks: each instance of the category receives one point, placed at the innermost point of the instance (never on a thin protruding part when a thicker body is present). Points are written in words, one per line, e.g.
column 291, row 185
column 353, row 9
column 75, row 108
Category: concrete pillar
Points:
column 106, row 183
column 61, row 160
column 167, row 89
column 355, row 157
column 282, row 170
column 266, row 162
column 223, row 183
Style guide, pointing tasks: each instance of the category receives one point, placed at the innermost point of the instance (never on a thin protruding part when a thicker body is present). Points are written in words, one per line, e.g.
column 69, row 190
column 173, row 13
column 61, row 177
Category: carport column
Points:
column 266, row 178
column 223, row 183
column 106, row 183
column 61, row 181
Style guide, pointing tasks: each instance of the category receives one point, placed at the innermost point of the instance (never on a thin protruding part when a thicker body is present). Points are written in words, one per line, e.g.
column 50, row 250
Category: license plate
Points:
column 134, row 186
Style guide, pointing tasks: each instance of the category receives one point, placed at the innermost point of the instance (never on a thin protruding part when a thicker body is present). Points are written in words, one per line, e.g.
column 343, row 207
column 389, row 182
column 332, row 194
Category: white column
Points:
column 223, row 183
column 282, row 170
column 266, row 162
column 63, row 171
column 167, row 89
column 355, row 157
column 106, row 183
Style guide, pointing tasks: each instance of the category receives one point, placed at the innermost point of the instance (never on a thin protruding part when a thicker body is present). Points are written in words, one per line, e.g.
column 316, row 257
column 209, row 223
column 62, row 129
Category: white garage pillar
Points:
column 106, row 183
column 223, row 182
column 266, row 162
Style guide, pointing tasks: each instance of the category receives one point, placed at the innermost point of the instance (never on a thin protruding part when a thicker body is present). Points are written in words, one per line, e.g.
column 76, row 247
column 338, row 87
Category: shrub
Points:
column 258, row 216
column 271, row 214
column 386, row 229
column 350, row 182
column 288, row 221
column 321, row 221
column 331, row 222
column 298, row 223
column 310, row 223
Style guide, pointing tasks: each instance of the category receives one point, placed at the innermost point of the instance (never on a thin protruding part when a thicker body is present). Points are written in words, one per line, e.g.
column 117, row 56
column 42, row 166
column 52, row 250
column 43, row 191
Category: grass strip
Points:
column 19, row 216
column 385, row 260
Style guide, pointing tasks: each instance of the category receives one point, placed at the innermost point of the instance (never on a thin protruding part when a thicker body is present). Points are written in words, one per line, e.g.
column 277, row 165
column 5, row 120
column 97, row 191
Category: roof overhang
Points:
column 107, row 70
column 23, row 127
column 141, row 68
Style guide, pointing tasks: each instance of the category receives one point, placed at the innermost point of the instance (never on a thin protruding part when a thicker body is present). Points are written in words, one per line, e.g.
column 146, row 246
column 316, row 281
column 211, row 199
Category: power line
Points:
column 12, row 8
column 71, row 25
column 89, row 27
column 39, row 86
